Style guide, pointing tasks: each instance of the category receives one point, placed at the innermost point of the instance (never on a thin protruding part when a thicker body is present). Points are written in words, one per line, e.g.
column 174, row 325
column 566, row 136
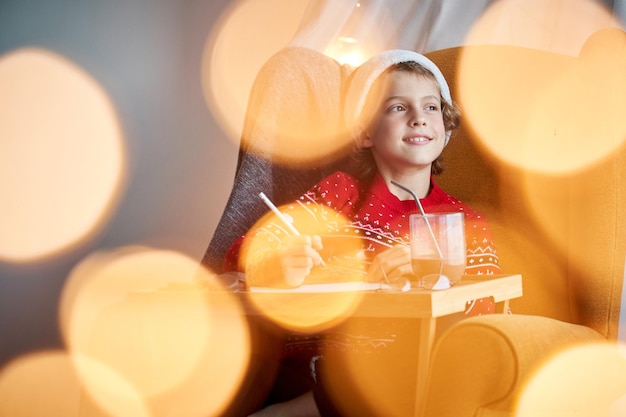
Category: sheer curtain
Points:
column 352, row 30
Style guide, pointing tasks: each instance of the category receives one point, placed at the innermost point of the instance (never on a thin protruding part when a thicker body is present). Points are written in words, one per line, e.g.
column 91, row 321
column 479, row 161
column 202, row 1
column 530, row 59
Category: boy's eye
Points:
column 432, row 107
column 396, row 108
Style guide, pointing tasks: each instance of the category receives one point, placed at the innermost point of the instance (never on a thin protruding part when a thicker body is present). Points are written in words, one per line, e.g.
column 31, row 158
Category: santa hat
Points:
column 364, row 76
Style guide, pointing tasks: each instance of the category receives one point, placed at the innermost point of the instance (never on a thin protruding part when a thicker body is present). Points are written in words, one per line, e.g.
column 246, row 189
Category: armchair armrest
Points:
column 479, row 365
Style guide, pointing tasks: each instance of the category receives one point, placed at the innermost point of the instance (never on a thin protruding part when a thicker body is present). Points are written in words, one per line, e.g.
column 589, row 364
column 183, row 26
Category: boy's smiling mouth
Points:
column 417, row 139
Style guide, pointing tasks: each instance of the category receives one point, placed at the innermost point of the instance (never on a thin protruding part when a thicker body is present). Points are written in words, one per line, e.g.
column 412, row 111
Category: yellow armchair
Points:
column 562, row 227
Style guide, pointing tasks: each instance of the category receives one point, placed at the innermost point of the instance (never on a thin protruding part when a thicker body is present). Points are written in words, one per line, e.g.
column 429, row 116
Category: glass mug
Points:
column 438, row 249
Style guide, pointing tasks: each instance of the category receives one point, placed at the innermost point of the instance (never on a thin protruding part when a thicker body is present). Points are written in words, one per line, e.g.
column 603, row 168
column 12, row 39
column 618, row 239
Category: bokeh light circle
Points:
column 266, row 94
column 586, row 380
column 561, row 27
column 551, row 105
column 46, row 384
column 62, row 161
column 106, row 278
column 106, row 390
column 160, row 321
column 308, row 309
column 245, row 36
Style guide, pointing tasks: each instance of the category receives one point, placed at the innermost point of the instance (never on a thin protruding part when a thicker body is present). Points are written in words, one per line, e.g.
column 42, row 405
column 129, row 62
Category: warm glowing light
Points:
column 104, row 388
column 537, row 110
column 346, row 50
column 104, row 279
column 581, row 381
column 283, row 120
column 247, row 34
column 347, row 39
column 362, row 35
column 41, row 384
column 61, row 155
column 312, row 311
column 560, row 27
column 348, row 55
column 618, row 408
column 159, row 321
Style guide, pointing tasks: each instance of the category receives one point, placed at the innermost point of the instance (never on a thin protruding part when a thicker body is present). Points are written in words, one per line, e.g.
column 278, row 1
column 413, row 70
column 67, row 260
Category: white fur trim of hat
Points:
column 366, row 74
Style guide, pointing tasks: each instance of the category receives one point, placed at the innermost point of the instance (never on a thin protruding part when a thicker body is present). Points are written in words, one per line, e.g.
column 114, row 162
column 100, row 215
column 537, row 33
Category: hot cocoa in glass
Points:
column 437, row 247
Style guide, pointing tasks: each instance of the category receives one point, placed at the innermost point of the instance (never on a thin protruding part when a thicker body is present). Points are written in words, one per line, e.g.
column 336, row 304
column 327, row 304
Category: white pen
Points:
column 282, row 217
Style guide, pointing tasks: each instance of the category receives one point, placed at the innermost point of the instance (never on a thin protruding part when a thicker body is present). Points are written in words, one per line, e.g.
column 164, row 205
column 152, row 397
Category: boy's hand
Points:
column 298, row 256
column 394, row 262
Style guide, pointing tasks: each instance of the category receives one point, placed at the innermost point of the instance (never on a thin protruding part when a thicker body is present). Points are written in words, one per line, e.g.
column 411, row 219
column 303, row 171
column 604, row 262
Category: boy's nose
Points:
column 418, row 121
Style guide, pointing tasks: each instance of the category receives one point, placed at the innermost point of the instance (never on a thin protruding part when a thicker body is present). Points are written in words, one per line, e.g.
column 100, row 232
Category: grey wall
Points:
column 147, row 55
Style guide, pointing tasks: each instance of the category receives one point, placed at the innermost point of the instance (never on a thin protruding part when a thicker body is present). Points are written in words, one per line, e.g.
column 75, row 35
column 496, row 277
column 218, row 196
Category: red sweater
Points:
column 340, row 205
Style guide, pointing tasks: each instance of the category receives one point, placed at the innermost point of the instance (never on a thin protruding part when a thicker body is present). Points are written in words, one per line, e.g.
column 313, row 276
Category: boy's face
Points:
column 407, row 130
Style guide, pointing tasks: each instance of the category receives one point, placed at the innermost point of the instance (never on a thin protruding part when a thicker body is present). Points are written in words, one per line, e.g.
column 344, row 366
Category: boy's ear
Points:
column 362, row 137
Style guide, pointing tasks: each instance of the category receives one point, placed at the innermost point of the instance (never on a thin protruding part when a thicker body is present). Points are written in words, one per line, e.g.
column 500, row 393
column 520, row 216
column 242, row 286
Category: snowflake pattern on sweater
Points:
column 377, row 218
column 381, row 220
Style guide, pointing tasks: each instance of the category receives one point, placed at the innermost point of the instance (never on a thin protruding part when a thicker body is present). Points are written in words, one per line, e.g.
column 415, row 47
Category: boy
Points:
column 399, row 106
